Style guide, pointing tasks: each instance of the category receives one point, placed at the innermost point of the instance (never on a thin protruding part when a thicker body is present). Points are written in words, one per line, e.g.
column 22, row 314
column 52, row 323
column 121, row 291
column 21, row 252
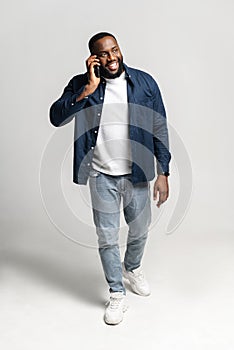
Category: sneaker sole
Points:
column 125, row 307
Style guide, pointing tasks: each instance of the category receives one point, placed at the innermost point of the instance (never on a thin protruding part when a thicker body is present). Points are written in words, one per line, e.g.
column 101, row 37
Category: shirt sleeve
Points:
column 64, row 109
column 160, row 132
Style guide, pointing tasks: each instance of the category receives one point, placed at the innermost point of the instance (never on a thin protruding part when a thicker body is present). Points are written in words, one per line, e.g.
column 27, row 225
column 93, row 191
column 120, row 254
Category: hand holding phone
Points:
column 97, row 71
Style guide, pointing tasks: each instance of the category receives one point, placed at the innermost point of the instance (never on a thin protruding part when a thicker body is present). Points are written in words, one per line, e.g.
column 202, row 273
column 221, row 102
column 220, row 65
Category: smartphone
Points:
column 97, row 71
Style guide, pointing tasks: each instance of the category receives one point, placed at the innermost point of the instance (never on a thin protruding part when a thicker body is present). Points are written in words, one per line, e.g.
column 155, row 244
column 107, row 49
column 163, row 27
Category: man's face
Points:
column 110, row 56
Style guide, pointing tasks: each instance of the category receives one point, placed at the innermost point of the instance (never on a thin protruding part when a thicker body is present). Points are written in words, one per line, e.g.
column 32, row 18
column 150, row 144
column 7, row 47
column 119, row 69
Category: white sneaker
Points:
column 115, row 309
column 137, row 281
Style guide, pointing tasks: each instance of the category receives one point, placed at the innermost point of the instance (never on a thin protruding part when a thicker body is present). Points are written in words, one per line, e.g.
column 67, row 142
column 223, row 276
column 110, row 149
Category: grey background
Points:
column 54, row 287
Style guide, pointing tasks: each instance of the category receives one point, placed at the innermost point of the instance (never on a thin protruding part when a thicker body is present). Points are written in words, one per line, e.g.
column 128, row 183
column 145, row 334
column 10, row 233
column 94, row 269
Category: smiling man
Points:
column 120, row 129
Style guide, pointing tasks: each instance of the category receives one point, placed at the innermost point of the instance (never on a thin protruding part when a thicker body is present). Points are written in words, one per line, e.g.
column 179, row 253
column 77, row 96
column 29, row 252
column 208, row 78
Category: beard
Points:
column 105, row 73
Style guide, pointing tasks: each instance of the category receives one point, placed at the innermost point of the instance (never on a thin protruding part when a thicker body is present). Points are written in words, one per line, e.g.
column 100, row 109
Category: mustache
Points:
column 118, row 60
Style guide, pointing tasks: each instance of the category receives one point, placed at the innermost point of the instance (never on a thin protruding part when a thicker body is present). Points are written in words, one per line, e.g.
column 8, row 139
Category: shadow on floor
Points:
column 77, row 274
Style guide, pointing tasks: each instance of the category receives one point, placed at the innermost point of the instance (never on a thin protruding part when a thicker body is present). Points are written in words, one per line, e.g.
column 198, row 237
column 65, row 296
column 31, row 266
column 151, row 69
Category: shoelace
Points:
column 114, row 303
column 139, row 277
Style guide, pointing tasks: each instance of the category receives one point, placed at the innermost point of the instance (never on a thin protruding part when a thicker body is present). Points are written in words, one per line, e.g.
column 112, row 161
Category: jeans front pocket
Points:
column 94, row 173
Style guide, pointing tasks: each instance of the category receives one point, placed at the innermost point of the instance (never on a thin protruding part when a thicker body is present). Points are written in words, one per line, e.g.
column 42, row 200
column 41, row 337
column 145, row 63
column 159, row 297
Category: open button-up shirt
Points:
column 148, row 131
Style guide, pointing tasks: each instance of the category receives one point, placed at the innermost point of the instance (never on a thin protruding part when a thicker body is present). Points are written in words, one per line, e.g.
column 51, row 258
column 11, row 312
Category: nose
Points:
column 111, row 56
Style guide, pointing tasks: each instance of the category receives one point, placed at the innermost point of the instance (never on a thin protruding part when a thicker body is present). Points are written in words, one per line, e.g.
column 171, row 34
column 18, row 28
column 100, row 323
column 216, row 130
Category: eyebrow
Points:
column 111, row 49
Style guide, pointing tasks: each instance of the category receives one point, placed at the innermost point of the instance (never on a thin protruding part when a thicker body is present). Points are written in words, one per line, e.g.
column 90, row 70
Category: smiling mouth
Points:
column 113, row 66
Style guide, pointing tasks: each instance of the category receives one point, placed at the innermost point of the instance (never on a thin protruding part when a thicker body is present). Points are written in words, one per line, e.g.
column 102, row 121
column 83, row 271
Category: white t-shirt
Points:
column 112, row 153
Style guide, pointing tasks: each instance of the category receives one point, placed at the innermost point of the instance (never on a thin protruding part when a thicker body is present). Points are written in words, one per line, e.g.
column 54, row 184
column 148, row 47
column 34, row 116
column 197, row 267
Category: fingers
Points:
column 91, row 61
column 161, row 194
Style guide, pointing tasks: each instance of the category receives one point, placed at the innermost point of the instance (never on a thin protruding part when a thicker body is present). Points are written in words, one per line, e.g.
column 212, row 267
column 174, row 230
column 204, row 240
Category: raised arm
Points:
column 74, row 96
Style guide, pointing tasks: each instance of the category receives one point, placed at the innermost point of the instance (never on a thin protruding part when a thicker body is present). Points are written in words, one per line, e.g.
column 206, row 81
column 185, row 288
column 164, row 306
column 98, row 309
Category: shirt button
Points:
column 88, row 164
column 101, row 98
column 92, row 147
column 72, row 104
column 99, row 114
column 95, row 131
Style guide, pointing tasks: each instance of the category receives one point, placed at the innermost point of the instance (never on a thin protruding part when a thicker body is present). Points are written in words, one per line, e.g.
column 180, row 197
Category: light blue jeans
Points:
column 106, row 193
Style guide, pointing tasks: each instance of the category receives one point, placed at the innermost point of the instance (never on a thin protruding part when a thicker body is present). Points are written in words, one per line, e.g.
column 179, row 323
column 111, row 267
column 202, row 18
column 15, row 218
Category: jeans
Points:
column 106, row 194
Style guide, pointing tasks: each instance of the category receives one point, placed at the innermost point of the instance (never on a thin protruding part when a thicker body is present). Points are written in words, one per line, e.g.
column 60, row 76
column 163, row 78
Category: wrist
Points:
column 89, row 89
column 165, row 174
column 162, row 177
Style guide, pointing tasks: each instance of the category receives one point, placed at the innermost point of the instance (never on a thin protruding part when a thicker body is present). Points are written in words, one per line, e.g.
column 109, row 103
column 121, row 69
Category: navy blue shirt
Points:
column 148, row 131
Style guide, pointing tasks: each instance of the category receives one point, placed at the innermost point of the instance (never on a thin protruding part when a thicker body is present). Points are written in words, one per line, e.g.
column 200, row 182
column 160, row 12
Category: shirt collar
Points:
column 128, row 75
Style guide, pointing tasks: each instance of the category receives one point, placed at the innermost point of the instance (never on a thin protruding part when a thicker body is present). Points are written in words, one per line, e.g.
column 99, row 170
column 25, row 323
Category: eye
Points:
column 115, row 50
column 103, row 54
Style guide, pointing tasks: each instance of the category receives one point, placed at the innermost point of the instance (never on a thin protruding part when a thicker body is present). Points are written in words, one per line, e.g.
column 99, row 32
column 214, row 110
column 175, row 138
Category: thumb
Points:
column 155, row 193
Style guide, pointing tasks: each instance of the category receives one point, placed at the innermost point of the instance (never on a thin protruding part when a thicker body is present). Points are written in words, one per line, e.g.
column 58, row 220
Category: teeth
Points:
column 112, row 65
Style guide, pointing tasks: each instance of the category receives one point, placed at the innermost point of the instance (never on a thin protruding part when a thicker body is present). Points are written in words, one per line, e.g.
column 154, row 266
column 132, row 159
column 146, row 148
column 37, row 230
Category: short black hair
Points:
column 96, row 37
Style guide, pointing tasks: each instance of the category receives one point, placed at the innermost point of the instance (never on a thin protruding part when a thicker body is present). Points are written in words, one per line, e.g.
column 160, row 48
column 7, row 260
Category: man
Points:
column 120, row 125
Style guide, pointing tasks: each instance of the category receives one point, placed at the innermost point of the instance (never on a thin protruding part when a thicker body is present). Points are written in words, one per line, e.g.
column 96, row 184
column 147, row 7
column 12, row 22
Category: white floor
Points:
column 52, row 297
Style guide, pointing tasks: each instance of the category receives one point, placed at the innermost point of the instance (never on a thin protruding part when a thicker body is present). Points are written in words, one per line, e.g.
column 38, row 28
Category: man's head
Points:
column 105, row 46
